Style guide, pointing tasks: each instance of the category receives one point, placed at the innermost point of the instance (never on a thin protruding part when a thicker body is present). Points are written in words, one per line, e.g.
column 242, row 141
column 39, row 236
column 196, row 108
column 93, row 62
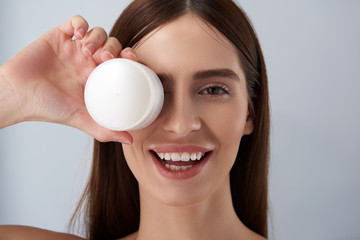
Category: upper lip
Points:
column 169, row 148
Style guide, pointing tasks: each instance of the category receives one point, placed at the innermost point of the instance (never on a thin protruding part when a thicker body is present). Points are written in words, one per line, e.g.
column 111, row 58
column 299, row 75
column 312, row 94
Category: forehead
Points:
column 187, row 44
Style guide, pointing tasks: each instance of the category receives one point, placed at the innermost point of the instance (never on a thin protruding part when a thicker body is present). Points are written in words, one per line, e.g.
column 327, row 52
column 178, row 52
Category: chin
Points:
column 182, row 198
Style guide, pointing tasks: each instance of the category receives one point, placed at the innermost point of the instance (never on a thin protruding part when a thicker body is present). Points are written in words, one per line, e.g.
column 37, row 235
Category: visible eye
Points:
column 215, row 90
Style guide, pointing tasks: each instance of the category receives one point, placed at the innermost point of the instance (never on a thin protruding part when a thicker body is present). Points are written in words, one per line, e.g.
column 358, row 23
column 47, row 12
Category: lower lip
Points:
column 181, row 174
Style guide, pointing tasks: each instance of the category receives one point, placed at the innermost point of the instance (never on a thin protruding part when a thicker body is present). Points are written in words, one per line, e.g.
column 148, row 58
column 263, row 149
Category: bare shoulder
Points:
column 12, row 232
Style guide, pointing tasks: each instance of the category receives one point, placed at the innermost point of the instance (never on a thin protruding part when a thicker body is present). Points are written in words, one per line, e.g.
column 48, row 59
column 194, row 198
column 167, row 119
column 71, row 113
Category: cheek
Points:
column 130, row 156
column 133, row 153
column 135, row 160
column 226, row 121
column 135, row 156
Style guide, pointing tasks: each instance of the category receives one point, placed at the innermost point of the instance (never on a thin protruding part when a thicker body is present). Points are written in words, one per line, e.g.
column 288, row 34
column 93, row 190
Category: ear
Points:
column 249, row 125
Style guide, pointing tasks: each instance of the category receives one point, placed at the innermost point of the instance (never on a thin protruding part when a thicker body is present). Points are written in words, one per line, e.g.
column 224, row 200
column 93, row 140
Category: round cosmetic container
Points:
column 122, row 95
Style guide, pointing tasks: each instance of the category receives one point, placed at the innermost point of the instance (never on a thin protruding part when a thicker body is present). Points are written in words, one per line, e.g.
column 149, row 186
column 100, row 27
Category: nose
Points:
column 180, row 116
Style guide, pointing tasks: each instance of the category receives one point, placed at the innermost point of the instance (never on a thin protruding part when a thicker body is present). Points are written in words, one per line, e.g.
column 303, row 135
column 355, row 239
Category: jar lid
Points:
column 121, row 95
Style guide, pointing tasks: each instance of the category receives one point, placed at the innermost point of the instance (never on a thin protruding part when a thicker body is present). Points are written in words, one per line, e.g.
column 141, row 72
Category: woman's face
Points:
column 185, row 156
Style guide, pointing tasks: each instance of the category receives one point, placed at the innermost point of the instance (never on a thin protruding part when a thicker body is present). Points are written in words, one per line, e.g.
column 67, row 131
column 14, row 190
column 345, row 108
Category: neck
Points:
column 212, row 218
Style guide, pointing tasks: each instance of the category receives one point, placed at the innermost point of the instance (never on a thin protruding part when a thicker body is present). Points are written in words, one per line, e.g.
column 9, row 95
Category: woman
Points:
column 186, row 176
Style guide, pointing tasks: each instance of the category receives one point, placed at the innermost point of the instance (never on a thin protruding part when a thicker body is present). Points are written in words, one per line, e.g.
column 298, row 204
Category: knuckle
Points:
column 78, row 19
column 114, row 41
column 98, row 34
column 100, row 30
column 113, row 46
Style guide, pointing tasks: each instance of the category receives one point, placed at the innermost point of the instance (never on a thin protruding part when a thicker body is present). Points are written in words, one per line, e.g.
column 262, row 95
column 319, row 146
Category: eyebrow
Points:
column 213, row 73
column 205, row 74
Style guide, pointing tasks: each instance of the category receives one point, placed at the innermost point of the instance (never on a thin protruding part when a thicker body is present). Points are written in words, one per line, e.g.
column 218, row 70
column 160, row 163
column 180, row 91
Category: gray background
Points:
column 312, row 53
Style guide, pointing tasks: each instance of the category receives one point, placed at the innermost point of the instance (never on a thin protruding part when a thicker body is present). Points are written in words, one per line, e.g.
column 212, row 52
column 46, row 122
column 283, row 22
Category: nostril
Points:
column 181, row 127
column 181, row 124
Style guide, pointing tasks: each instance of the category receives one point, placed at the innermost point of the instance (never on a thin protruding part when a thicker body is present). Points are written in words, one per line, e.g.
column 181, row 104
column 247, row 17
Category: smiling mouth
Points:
column 179, row 161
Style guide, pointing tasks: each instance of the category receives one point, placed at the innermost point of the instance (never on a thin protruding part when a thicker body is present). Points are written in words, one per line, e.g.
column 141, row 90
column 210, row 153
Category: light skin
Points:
column 45, row 81
column 206, row 105
column 209, row 111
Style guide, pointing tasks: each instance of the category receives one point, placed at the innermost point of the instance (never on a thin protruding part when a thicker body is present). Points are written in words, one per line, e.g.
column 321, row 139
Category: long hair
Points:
column 111, row 198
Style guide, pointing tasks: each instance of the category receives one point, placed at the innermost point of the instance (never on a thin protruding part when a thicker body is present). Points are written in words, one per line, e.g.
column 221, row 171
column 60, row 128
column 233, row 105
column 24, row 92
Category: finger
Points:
column 76, row 26
column 93, row 40
column 129, row 53
column 85, row 123
column 111, row 49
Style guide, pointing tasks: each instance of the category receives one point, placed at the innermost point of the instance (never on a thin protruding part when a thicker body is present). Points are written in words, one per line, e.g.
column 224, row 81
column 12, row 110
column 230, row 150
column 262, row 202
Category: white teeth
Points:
column 185, row 156
column 167, row 156
column 175, row 157
column 177, row 168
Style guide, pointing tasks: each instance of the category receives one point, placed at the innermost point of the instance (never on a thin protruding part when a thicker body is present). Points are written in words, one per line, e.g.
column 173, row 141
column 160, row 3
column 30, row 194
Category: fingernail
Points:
column 89, row 49
column 80, row 33
column 124, row 141
column 132, row 54
column 108, row 54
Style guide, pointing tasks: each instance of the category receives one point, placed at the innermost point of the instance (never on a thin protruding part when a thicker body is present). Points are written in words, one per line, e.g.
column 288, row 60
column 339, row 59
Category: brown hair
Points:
column 111, row 198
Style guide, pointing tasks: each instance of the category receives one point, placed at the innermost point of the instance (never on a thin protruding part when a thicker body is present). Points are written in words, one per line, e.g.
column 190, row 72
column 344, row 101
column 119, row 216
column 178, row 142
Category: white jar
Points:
column 122, row 95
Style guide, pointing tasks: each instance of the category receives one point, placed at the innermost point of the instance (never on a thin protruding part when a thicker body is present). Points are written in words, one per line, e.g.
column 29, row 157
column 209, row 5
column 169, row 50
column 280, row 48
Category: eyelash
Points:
column 219, row 87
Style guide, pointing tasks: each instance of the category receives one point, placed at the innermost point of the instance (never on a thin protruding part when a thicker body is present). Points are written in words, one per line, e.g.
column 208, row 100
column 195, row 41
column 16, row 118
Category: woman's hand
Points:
column 46, row 80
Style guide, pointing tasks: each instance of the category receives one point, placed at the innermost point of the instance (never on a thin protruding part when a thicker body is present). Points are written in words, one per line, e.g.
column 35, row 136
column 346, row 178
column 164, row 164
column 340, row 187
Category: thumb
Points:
column 85, row 123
